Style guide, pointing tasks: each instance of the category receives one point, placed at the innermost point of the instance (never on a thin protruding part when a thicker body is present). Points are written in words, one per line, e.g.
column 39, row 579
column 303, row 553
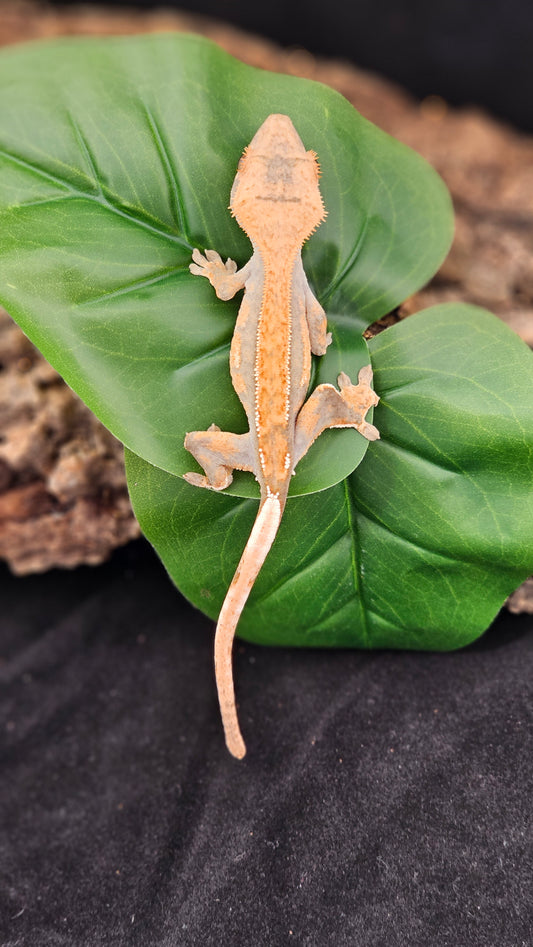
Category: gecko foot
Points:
column 219, row 453
column 198, row 480
column 222, row 476
column 218, row 273
column 359, row 398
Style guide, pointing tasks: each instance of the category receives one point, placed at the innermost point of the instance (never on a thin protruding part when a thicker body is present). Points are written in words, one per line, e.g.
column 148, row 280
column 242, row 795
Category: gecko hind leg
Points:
column 328, row 407
column 219, row 453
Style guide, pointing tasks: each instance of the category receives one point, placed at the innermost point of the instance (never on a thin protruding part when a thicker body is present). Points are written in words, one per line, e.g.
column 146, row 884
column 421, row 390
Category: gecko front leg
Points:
column 225, row 278
column 327, row 408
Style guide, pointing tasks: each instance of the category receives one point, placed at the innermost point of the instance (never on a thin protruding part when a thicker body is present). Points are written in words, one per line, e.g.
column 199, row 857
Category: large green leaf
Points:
column 116, row 159
column 420, row 546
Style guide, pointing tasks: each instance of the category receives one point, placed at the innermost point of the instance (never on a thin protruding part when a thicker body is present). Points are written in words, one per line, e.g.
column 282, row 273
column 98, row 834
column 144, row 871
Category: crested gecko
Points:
column 276, row 200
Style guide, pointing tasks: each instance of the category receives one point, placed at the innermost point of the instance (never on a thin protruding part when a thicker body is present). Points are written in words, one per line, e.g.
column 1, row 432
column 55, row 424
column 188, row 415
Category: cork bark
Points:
column 63, row 498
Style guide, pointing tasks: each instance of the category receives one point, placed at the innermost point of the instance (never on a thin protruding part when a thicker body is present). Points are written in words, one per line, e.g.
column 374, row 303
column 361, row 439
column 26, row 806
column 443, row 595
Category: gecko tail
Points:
column 255, row 552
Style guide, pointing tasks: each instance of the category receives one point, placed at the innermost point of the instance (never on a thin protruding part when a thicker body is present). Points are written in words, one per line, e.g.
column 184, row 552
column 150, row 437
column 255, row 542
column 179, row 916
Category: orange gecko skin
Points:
column 276, row 200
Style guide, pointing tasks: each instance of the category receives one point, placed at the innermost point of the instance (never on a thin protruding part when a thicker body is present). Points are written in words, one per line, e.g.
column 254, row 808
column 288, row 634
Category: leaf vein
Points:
column 356, row 564
column 105, row 200
column 133, row 287
column 170, row 174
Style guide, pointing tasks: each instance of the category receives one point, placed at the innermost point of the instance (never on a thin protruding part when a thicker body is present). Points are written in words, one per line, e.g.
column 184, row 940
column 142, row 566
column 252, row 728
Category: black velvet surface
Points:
column 385, row 798
column 478, row 51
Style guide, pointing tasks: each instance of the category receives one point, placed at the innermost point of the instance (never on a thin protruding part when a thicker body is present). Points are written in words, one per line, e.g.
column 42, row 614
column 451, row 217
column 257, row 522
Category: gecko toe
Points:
column 370, row 432
column 365, row 375
column 195, row 479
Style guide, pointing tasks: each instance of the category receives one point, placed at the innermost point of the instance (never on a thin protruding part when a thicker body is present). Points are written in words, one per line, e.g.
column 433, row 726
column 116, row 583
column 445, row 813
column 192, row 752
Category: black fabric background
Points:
column 468, row 51
column 385, row 798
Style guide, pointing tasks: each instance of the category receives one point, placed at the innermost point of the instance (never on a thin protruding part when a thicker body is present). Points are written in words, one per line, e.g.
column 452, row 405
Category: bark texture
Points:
column 63, row 499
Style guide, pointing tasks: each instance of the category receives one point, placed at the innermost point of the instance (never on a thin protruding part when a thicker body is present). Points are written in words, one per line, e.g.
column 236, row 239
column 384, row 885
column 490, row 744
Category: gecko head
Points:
column 276, row 186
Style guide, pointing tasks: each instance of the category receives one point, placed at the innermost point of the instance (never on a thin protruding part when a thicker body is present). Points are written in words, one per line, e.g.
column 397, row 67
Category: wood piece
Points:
column 62, row 492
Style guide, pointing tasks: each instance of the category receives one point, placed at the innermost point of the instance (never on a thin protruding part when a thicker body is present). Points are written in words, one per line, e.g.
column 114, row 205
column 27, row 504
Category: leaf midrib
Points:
column 356, row 564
